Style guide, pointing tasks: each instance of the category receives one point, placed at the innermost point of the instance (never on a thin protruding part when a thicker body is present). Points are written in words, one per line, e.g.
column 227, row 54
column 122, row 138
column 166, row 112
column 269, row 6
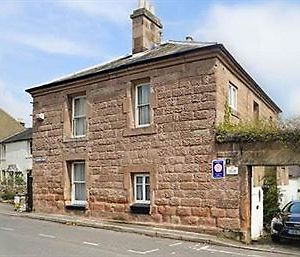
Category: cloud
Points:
column 50, row 44
column 264, row 38
column 113, row 11
column 15, row 104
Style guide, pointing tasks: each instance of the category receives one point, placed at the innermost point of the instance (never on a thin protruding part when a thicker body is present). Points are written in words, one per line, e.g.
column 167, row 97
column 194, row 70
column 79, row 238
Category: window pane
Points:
column 147, row 193
column 139, row 192
column 79, row 126
column 79, row 192
column 232, row 97
column 144, row 115
column 295, row 208
column 143, row 94
column 79, row 106
column 147, row 178
column 79, row 174
column 139, row 179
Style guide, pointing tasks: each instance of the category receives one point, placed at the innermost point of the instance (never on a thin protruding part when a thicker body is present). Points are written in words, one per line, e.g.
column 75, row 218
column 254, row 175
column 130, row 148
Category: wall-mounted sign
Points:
column 40, row 159
column 218, row 169
column 232, row 170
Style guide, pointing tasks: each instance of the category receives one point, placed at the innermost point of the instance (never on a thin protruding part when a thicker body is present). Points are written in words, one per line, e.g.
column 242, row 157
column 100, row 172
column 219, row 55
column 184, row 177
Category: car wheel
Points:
column 275, row 238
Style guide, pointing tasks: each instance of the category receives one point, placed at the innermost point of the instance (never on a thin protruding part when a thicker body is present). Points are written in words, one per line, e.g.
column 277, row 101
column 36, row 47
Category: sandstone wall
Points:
column 176, row 150
column 245, row 97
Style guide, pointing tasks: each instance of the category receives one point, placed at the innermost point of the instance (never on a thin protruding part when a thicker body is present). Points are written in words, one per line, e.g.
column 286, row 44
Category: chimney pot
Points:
column 142, row 4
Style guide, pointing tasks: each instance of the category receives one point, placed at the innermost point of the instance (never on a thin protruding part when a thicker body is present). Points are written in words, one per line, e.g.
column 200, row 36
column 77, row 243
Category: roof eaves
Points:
column 27, row 132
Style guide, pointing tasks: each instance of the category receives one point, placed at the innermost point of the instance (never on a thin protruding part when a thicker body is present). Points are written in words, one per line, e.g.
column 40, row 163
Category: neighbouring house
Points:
column 288, row 180
column 16, row 155
column 134, row 139
column 8, row 125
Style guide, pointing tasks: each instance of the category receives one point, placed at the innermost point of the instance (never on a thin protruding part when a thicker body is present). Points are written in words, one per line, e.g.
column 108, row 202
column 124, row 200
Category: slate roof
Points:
column 21, row 136
column 164, row 50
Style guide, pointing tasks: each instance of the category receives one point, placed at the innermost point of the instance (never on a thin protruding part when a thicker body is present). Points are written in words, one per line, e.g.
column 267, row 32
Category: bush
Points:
column 8, row 195
column 10, row 186
column 271, row 198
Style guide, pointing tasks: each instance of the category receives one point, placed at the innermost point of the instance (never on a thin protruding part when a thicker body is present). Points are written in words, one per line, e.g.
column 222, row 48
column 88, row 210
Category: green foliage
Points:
column 271, row 197
column 11, row 186
column 259, row 131
column 7, row 194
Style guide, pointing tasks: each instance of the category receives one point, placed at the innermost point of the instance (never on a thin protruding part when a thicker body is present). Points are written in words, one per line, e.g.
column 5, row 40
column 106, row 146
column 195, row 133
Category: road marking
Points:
column 89, row 243
column 145, row 252
column 175, row 244
column 47, row 236
column 232, row 253
column 6, row 229
column 206, row 248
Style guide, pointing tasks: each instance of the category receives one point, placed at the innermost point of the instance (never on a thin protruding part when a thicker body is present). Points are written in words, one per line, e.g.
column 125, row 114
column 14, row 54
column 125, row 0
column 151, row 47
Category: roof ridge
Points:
column 193, row 42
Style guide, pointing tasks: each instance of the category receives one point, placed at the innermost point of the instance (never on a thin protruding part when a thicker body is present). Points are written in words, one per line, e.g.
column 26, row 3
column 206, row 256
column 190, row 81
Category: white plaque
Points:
column 232, row 170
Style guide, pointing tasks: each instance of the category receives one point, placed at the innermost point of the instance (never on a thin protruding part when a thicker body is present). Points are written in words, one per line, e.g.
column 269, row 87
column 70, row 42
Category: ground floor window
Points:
column 78, row 189
column 142, row 188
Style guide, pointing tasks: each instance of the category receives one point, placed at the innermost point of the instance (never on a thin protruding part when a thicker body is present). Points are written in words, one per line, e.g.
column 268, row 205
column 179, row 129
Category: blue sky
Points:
column 43, row 40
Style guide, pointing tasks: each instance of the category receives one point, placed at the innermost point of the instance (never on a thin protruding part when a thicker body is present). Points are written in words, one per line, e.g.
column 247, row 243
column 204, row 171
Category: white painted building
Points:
column 290, row 190
column 16, row 154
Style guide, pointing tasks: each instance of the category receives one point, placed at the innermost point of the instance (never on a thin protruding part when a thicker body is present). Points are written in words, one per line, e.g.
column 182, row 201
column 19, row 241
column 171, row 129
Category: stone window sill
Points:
column 129, row 132
column 72, row 206
column 235, row 113
column 75, row 139
column 140, row 208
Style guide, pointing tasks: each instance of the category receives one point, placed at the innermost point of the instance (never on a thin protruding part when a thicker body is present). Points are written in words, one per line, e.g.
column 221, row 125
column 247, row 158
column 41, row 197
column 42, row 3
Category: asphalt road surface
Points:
column 23, row 237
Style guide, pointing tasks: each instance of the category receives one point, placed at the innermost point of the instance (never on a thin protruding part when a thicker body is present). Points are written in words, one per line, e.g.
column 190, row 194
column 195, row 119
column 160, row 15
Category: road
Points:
column 23, row 237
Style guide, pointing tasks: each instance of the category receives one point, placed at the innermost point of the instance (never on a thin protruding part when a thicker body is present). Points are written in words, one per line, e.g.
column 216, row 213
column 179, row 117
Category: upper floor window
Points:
column 232, row 97
column 78, row 183
column 142, row 188
column 255, row 110
column 79, row 116
column 2, row 152
column 142, row 105
column 29, row 148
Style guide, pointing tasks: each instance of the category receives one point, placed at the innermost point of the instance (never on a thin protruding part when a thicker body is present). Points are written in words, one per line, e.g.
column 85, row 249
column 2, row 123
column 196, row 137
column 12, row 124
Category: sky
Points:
column 41, row 40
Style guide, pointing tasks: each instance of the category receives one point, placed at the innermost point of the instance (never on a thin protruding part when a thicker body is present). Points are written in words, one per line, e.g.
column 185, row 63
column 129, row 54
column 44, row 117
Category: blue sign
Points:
column 218, row 169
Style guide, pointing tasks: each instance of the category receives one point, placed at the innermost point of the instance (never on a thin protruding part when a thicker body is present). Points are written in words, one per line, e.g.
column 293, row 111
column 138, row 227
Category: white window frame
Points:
column 77, row 202
column 78, row 117
column 29, row 148
column 143, row 175
column 138, row 106
column 3, row 152
column 232, row 97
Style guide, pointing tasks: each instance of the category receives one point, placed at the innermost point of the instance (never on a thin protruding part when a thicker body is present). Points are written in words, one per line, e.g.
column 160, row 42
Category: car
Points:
column 286, row 224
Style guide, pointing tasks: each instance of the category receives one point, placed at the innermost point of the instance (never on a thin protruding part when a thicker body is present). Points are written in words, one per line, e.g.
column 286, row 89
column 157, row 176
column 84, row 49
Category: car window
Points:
column 287, row 207
column 295, row 208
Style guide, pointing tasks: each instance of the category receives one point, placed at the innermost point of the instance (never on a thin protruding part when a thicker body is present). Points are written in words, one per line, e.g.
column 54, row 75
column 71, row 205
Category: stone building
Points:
column 133, row 139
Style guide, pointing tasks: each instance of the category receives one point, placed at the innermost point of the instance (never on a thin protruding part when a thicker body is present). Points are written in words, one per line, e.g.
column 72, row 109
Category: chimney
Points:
column 21, row 122
column 146, row 28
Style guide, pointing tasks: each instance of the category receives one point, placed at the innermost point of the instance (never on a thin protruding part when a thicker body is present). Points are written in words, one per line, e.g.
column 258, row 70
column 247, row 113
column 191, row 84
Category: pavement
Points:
column 267, row 247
